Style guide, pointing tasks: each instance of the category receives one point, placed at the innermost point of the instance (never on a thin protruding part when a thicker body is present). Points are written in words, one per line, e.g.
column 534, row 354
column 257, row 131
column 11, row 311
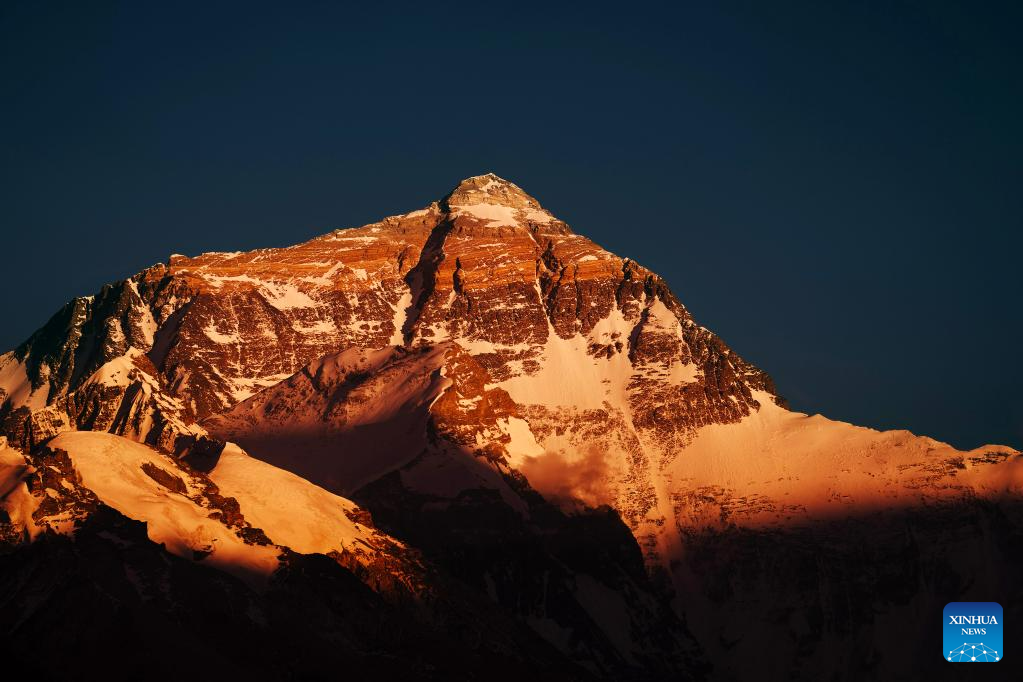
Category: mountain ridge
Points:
column 486, row 384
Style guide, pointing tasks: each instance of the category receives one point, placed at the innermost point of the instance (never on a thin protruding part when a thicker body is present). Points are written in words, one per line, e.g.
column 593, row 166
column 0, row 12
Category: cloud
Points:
column 569, row 482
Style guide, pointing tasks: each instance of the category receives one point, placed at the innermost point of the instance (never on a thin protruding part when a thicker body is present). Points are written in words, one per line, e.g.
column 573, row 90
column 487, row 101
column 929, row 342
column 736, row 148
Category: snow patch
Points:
column 536, row 215
column 400, row 316
column 290, row 510
column 111, row 466
column 495, row 214
column 147, row 323
column 318, row 327
column 480, row 347
column 242, row 388
column 15, row 499
column 570, row 377
column 281, row 295
column 339, row 236
column 15, row 382
column 327, row 278
column 285, row 296
column 115, row 372
column 211, row 332
column 523, row 443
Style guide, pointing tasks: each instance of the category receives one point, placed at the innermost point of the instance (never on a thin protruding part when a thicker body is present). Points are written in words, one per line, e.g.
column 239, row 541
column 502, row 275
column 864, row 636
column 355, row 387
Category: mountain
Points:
column 480, row 416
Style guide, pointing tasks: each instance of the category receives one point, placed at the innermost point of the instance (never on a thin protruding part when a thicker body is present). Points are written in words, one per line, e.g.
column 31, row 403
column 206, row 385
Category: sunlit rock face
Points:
column 512, row 401
column 593, row 348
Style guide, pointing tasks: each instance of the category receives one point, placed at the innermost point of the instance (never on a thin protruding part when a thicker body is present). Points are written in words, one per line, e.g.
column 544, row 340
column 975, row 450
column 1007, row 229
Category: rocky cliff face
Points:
column 543, row 420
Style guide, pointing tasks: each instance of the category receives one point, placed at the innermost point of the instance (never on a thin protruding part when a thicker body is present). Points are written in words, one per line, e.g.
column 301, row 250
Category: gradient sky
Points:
column 835, row 188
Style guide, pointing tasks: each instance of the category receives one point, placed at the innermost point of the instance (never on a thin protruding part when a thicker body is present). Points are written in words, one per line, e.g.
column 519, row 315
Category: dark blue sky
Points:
column 835, row 188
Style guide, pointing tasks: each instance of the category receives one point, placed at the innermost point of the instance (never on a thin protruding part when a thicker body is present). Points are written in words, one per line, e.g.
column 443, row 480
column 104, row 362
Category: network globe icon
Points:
column 973, row 653
column 972, row 632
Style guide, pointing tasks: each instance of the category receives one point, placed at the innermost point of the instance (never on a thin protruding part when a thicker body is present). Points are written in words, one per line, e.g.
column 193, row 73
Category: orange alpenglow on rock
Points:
column 478, row 350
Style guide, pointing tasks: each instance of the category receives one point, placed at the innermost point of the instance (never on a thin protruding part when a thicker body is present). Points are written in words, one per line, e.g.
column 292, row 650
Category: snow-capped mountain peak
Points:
column 500, row 393
column 495, row 202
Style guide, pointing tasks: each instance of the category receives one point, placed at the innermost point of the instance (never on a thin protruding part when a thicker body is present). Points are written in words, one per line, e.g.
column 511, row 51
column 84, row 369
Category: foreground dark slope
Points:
column 542, row 426
column 111, row 604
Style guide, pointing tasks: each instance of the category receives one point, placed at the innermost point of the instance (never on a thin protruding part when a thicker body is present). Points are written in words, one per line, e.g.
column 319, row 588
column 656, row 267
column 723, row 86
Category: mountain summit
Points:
column 485, row 407
column 489, row 189
column 495, row 202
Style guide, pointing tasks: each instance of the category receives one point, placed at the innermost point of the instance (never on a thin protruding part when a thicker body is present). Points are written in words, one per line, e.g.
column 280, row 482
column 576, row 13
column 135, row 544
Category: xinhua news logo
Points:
column 972, row 632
